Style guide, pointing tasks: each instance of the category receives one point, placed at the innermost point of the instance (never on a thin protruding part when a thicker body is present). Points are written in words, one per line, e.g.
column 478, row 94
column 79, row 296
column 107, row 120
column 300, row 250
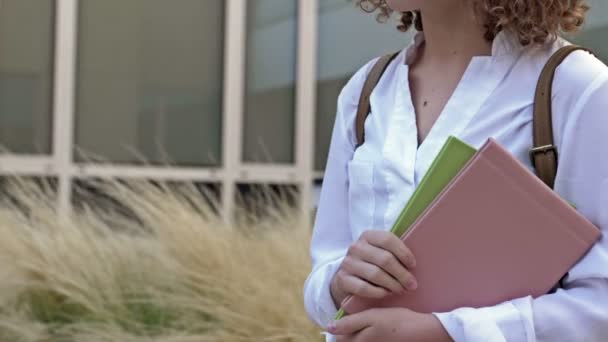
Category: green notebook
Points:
column 451, row 159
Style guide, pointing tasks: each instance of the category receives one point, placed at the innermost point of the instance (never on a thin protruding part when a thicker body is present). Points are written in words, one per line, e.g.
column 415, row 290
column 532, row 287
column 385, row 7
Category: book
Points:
column 449, row 161
column 495, row 233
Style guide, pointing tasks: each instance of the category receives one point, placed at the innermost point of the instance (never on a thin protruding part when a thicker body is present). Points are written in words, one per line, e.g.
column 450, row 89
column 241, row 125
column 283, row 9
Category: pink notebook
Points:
column 494, row 234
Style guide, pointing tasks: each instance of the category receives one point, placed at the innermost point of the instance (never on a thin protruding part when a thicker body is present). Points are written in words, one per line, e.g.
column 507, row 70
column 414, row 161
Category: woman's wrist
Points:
column 438, row 332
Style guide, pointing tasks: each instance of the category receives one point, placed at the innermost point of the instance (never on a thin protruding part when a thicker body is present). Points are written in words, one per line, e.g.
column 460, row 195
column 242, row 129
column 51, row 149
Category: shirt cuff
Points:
column 323, row 304
column 509, row 321
column 452, row 325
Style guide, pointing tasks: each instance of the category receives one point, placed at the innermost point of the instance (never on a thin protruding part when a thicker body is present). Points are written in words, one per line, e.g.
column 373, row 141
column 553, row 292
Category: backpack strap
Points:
column 372, row 80
column 544, row 153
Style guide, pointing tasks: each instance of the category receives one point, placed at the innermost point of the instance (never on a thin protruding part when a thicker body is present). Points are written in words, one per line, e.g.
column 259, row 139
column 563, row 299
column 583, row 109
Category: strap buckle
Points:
column 541, row 149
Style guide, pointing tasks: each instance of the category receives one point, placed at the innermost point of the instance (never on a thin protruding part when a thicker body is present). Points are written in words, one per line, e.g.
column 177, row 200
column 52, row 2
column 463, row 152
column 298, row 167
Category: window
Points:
column 26, row 75
column 268, row 124
column 348, row 38
column 150, row 80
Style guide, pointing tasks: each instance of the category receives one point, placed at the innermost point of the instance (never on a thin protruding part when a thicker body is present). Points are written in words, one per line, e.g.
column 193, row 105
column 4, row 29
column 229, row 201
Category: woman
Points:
column 470, row 72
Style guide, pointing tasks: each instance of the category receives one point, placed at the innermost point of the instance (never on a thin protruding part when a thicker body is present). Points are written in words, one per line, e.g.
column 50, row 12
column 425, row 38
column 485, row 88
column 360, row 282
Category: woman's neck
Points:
column 452, row 34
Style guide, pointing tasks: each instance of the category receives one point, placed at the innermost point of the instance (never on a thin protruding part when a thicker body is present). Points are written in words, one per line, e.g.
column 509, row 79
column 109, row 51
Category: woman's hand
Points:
column 389, row 325
column 374, row 267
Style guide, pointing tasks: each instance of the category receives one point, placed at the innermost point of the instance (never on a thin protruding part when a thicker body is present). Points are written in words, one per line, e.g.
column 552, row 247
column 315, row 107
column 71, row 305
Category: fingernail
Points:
column 331, row 327
column 411, row 285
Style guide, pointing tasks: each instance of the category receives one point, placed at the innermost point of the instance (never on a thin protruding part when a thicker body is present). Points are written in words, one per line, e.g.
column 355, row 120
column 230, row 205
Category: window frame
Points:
column 61, row 165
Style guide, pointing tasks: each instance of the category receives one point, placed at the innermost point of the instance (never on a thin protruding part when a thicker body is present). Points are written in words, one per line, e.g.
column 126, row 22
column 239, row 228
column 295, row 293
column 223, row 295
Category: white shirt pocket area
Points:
column 361, row 197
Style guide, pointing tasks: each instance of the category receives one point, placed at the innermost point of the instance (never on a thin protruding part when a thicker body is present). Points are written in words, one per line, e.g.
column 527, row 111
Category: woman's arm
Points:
column 332, row 236
column 579, row 311
column 375, row 265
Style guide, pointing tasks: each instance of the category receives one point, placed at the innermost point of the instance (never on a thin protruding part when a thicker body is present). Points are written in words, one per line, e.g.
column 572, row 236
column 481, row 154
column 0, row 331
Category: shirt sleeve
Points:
column 332, row 235
column 578, row 311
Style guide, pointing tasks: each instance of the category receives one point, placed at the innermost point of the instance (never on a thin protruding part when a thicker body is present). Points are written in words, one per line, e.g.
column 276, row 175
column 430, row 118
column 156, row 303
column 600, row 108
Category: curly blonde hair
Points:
column 533, row 21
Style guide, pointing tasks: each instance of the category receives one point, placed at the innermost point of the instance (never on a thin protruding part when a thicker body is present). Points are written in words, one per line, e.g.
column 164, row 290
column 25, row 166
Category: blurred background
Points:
column 229, row 94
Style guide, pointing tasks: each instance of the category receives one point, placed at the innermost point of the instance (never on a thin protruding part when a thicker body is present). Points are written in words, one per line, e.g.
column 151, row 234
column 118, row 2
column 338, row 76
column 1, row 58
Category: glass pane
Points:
column 595, row 33
column 270, row 90
column 348, row 38
column 26, row 75
column 150, row 81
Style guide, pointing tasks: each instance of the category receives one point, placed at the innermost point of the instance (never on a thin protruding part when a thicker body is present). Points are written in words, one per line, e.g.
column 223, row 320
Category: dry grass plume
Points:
column 156, row 265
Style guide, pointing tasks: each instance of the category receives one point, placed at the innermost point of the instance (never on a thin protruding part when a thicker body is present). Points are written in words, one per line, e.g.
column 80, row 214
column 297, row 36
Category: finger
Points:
column 359, row 287
column 390, row 242
column 387, row 262
column 345, row 338
column 372, row 274
column 350, row 325
column 362, row 336
column 367, row 334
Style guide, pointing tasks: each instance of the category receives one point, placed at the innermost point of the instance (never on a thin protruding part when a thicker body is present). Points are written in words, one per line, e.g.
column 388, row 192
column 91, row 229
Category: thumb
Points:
column 349, row 325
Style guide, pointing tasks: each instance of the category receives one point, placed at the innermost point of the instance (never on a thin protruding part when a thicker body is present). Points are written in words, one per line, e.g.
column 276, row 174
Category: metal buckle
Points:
column 541, row 149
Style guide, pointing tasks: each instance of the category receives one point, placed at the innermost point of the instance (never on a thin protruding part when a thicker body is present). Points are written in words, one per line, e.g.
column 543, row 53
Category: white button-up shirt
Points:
column 366, row 188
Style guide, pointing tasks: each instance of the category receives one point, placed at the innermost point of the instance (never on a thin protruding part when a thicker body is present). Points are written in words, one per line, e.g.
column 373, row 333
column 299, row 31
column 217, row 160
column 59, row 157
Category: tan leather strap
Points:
column 364, row 100
column 544, row 153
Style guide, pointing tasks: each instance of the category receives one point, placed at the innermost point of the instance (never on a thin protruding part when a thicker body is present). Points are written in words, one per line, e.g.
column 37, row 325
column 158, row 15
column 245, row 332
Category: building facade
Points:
column 224, row 93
